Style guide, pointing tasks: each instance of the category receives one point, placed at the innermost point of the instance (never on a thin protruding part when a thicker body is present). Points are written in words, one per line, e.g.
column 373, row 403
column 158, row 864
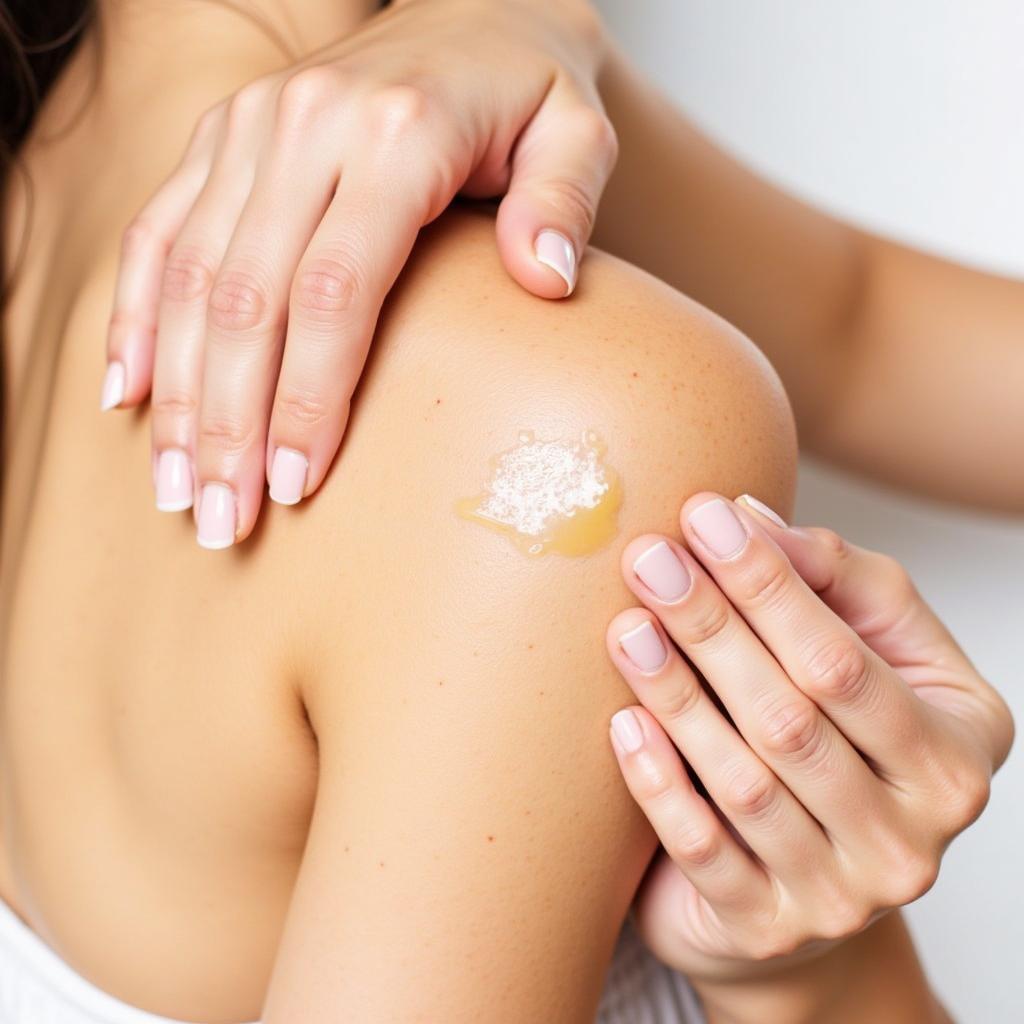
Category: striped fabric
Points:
column 641, row 990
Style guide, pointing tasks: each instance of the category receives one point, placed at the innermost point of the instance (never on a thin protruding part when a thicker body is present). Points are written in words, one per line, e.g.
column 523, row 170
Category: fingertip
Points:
column 766, row 515
column 539, row 250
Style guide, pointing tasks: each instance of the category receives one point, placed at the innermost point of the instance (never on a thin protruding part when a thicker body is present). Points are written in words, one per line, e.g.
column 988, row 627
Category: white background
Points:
column 906, row 116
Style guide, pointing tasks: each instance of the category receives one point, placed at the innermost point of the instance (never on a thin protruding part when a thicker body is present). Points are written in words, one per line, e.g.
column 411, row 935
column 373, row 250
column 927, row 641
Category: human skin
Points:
column 856, row 742
column 900, row 365
column 837, row 309
column 376, row 720
column 251, row 281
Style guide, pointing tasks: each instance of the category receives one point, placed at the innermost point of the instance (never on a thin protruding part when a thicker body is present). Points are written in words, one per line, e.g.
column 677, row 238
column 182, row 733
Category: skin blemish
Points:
column 550, row 497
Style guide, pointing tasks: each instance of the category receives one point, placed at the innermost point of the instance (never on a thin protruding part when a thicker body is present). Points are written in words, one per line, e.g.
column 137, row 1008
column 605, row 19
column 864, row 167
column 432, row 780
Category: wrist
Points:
column 873, row 976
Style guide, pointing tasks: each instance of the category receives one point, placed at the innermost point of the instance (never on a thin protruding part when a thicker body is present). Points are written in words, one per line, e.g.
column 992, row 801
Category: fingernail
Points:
column 660, row 569
column 113, row 386
column 554, row 250
column 644, row 648
column 719, row 528
column 288, row 476
column 626, row 727
column 173, row 481
column 216, row 517
column 760, row 506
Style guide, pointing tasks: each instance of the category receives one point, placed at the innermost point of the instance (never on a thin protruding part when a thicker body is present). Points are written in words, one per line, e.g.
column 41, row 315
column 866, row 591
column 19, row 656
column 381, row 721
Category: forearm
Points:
column 897, row 364
column 875, row 977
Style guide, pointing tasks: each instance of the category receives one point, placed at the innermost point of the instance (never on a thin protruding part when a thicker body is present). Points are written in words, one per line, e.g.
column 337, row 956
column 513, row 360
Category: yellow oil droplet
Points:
column 550, row 497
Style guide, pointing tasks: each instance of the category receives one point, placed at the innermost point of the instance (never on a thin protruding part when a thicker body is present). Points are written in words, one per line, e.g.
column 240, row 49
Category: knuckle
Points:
column 894, row 581
column 831, row 541
column 762, row 948
column 138, row 236
column 751, row 793
column 208, row 123
column 696, row 847
column 327, row 285
column 845, row 917
column 838, row 670
column 306, row 95
column 239, row 300
column 227, row 435
column 764, row 581
column 573, row 199
column 303, row 408
column 793, row 731
column 682, row 701
column 915, row 875
column 597, row 132
column 395, row 110
column 969, row 796
column 187, row 274
column 707, row 624
column 244, row 109
column 174, row 404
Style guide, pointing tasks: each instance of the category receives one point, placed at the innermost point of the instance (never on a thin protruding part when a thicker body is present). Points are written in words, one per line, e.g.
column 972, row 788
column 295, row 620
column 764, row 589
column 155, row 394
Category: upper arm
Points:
column 473, row 849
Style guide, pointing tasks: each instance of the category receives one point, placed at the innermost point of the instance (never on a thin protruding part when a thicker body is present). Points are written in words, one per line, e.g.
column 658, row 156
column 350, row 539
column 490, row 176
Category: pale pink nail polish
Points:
column 662, row 572
column 173, row 481
column 627, row 730
column 113, row 386
column 759, row 506
column 216, row 517
column 719, row 528
column 554, row 250
column 288, row 476
column 644, row 648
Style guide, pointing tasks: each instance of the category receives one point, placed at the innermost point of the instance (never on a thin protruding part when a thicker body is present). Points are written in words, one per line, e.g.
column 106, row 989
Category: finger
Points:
column 185, row 292
column 702, row 848
column 782, row 725
column 870, row 591
column 761, row 809
column 131, row 334
column 868, row 701
column 875, row 595
column 245, row 325
column 352, row 261
column 559, row 170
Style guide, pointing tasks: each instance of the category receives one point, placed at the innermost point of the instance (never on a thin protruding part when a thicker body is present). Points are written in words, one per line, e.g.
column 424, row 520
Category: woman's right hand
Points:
column 251, row 283
column 853, row 741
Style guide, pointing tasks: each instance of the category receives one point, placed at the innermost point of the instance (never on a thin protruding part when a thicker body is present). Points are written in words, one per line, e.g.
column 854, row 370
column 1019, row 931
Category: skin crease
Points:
column 168, row 717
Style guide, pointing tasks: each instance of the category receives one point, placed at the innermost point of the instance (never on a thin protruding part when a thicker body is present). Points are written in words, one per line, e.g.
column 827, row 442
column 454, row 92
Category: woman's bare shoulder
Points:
column 458, row 684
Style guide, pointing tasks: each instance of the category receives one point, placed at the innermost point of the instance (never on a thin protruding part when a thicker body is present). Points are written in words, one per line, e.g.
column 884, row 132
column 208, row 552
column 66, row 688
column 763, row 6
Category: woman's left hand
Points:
column 841, row 741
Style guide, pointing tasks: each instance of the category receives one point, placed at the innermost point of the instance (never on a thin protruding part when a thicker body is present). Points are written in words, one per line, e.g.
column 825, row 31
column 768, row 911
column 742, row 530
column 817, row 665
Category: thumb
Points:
column 560, row 167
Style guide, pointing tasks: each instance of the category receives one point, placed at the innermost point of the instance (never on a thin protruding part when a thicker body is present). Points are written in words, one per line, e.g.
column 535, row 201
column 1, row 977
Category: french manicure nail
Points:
column 660, row 569
column 554, row 250
column 216, row 517
column 760, row 506
column 113, row 386
column 173, row 481
column 719, row 528
column 644, row 648
column 288, row 476
column 627, row 730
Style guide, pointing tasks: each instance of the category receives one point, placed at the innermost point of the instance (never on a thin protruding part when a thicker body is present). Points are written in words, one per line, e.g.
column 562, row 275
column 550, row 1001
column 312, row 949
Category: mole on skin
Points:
column 550, row 497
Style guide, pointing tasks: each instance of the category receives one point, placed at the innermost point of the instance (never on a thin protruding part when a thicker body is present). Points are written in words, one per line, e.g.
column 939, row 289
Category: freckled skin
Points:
column 161, row 751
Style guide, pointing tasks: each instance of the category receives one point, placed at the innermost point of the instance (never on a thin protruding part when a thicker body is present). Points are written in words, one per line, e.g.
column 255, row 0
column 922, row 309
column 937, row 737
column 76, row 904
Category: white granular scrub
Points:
column 541, row 480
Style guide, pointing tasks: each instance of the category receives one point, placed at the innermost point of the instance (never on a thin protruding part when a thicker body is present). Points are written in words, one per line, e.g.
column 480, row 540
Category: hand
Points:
column 852, row 742
column 250, row 284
